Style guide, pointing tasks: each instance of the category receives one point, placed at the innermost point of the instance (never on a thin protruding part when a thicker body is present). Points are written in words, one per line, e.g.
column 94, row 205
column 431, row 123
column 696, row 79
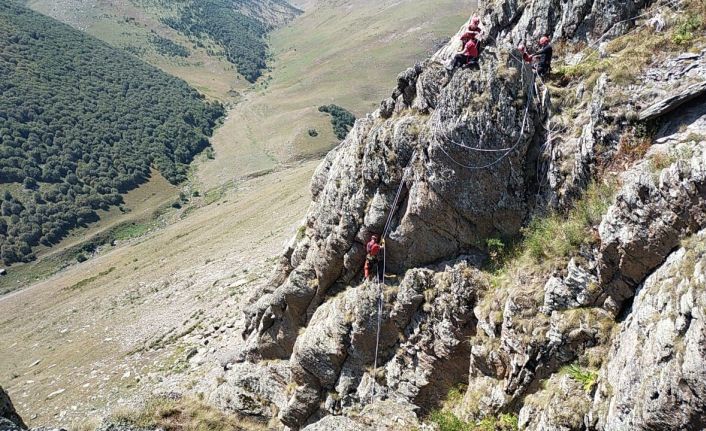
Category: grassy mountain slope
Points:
column 214, row 250
column 131, row 308
column 347, row 53
column 81, row 123
column 200, row 41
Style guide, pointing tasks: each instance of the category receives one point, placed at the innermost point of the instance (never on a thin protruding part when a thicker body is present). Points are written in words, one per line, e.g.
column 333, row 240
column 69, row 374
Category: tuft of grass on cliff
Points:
column 447, row 421
column 183, row 414
column 629, row 55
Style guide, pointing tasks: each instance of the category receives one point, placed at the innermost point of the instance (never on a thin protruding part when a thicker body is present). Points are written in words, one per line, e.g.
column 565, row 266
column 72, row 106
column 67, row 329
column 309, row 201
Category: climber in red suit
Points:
column 474, row 31
column 372, row 259
column 525, row 55
column 469, row 56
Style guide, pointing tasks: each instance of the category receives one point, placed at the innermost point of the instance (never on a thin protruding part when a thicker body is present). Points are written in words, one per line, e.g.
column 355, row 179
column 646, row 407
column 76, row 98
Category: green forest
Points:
column 241, row 36
column 168, row 47
column 80, row 124
column 341, row 119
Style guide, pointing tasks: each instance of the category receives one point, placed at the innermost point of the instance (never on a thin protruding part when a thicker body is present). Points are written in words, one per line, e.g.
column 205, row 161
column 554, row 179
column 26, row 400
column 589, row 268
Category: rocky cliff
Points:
column 604, row 331
column 545, row 243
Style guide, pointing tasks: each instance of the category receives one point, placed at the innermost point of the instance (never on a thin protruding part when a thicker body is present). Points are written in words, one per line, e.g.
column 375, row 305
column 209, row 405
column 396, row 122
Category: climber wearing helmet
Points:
column 473, row 31
column 469, row 55
column 544, row 56
column 372, row 259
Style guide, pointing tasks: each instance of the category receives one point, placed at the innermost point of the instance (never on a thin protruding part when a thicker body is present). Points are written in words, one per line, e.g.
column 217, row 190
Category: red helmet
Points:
column 475, row 20
column 521, row 47
column 544, row 40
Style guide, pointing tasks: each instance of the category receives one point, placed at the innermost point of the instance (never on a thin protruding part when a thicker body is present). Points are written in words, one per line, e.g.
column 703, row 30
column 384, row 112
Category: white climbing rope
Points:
column 380, row 276
column 530, row 97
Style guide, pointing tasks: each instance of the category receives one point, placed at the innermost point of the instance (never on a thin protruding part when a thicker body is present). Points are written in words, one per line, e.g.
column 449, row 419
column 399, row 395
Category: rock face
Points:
column 452, row 159
column 655, row 376
column 434, row 141
column 442, row 209
column 423, row 327
column 9, row 419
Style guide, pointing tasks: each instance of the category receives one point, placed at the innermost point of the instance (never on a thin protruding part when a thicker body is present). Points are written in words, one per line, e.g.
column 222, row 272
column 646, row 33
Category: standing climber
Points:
column 544, row 56
column 372, row 259
column 469, row 55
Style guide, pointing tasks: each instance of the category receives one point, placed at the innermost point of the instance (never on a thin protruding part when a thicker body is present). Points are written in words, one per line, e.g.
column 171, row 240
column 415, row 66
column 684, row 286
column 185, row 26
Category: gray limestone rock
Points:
column 653, row 211
column 655, row 377
column 421, row 350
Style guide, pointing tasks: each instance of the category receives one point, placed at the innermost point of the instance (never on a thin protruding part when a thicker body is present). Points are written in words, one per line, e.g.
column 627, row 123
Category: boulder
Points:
column 10, row 420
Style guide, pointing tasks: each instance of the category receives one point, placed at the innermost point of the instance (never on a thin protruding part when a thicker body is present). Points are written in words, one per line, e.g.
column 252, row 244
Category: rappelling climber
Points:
column 372, row 259
column 544, row 56
column 469, row 55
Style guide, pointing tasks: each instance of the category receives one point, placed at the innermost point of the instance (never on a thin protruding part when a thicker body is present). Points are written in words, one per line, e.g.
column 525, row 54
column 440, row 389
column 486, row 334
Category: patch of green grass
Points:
column 455, row 394
column 687, row 29
column 588, row 378
column 504, row 422
column 301, row 233
column 557, row 236
column 131, row 230
column 447, row 421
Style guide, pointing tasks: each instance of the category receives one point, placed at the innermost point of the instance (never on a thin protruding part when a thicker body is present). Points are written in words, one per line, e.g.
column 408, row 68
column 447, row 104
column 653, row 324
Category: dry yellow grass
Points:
column 348, row 54
column 84, row 337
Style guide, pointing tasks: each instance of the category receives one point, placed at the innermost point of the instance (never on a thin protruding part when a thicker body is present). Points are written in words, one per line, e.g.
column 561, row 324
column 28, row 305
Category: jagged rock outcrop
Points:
column 444, row 210
column 655, row 377
column 442, row 121
column 387, row 415
column 448, row 161
column 652, row 213
column 423, row 328
column 9, row 419
column 561, row 405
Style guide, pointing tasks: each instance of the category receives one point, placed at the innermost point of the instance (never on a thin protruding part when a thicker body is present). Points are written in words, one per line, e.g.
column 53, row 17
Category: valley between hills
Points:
column 94, row 337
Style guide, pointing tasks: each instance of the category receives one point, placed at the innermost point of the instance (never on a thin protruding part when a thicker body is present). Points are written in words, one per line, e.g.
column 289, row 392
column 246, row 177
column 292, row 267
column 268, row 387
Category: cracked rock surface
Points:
column 449, row 160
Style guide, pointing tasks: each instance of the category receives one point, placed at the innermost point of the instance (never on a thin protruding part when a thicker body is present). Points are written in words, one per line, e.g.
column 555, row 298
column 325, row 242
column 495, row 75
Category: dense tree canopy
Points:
column 168, row 47
column 242, row 37
column 341, row 119
column 81, row 123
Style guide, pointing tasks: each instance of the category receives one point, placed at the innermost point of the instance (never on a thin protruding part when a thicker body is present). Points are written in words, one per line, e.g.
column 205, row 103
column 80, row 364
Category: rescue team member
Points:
column 469, row 55
column 525, row 55
column 474, row 30
column 544, row 56
column 372, row 259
